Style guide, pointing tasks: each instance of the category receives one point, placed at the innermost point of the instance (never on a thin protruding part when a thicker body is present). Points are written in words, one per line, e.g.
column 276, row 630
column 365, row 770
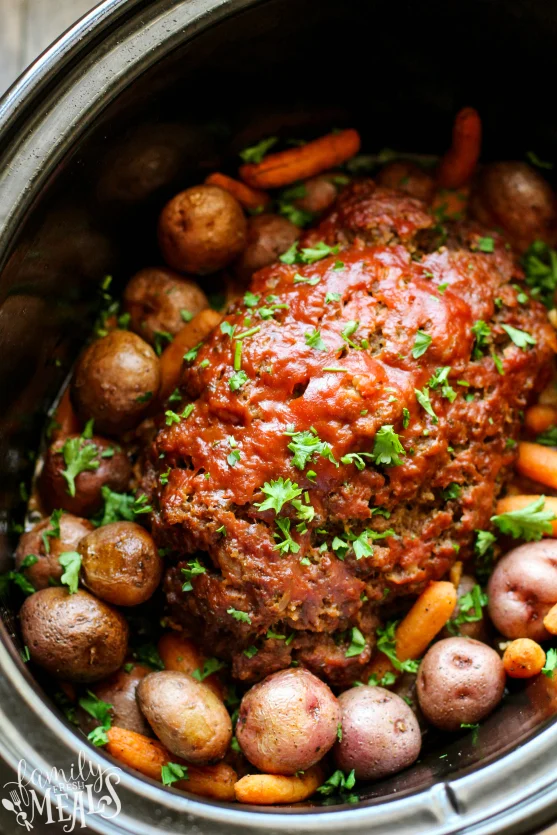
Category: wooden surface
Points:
column 27, row 27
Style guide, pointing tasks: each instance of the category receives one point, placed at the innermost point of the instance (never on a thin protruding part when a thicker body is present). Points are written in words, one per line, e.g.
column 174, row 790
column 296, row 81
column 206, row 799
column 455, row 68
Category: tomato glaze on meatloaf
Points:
column 352, row 422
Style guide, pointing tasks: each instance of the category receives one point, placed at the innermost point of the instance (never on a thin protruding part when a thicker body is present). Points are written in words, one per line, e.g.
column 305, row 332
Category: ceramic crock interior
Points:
column 396, row 71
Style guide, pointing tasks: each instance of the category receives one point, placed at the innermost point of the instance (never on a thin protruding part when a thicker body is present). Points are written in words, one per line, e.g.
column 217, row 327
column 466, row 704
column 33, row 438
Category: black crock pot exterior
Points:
column 226, row 72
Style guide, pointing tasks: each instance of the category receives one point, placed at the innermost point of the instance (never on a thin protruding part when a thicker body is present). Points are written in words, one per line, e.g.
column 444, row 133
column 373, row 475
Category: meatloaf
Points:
column 343, row 434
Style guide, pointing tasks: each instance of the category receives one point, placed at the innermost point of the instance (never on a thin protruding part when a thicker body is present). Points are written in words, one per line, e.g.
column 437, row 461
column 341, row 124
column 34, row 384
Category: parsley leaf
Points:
column 305, row 445
column 547, row 438
column 210, row 666
column 520, row 338
column 356, row 458
column 237, row 380
column 250, row 299
column 423, row 399
column 79, row 457
column 540, row 265
column 278, row 492
column 386, row 643
column 120, row 507
column 172, row 772
column 255, row 153
column 481, row 332
column 440, row 379
column 340, row 783
column 362, row 546
column 550, row 663
column 486, row 244
column 310, row 255
column 529, row 523
column 421, row 344
column 470, row 607
column 332, row 297
column 387, row 447
column 100, row 711
column 243, row 617
column 53, row 532
column 149, row 654
column 191, row 355
column 193, row 570
column 71, row 562
column 385, row 681
column 286, row 545
column 357, row 643
column 313, row 339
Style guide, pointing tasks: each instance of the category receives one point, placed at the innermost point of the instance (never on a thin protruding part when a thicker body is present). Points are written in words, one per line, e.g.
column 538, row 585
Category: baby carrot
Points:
column 540, row 418
column 268, row 789
column 550, row 620
column 523, row 658
column 458, row 164
column 538, row 462
column 249, row 198
column 172, row 357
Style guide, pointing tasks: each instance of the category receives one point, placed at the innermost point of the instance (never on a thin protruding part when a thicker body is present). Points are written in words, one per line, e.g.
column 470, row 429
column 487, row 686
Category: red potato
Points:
column 109, row 466
column 522, row 590
column 268, row 237
column 320, row 193
column 186, row 716
column 408, row 177
column 460, row 681
column 380, row 733
column 36, row 541
column 120, row 691
column 287, row 722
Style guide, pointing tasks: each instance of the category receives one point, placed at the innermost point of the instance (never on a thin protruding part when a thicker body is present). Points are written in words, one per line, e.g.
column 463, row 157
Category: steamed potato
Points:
column 320, row 193
column 380, row 734
column 120, row 563
column 115, row 381
column 186, row 716
column 287, row 722
column 201, row 230
column 48, row 548
column 268, row 237
column 160, row 301
column 120, row 691
column 407, row 177
column 460, row 681
column 73, row 636
column 522, row 590
column 113, row 470
column 514, row 197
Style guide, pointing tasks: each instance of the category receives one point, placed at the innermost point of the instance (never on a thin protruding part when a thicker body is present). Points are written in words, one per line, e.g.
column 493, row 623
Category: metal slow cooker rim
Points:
column 41, row 117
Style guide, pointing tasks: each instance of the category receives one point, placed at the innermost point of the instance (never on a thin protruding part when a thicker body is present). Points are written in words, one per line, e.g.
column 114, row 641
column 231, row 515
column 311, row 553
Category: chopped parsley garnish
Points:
column 227, row 328
column 486, row 244
column 341, row 784
column 172, row 772
column 305, row 445
column 243, row 617
column 171, row 417
column 149, row 654
column 194, row 569
column 53, row 532
column 162, row 339
column 313, row 340
column 357, row 643
column 71, row 562
column 424, row 401
column 340, row 547
column 80, row 456
column 451, row 492
column 387, row 447
column 237, row 380
column 385, row 681
column 520, row 338
column 144, row 398
column 233, row 457
column 405, row 418
column 529, row 523
column 474, row 727
column 550, row 663
column 278, row 493
column 440, row 379
column 421, row 344
column 349, row 330
column 255, row 153
column 210, row 666
column 186, row 315
column 251, row 652
column 534, row 159
column 362, row 546
column 100, row 711
column 332, row 297
column 481, row 333
column 547, row 438
column 120, row 507
column 470, row 607
column 309, row 255
column 250, row 299
column 540, row 266
column 287, row 544
column 386, row 643
column 356, row 458
column 191, row 355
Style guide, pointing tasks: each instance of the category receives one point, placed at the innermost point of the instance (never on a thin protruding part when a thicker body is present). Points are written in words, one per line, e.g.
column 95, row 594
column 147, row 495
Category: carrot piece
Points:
column 286, row 167
column 523, row 658
column 268, row 789
column 519, row 501
column 65, row 419
column 459, row 163
column 548, row 397
column 149, row 755
column 180, row 654
column 455, row 574
column 537, row 462
column 418, row 628
column 550, row 620
column 540, row 418
column 450, row 203
column 172, row 357
column 249, row 198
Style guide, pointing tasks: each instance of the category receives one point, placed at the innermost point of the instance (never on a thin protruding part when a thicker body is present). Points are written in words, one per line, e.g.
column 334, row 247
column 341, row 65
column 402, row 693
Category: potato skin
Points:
column 460, row 681
column 380, row 734
column 154, row 298
column 120, row 563
column 321, row 192
column 268, row 236
column 114, row 472
column 514, row 197
column 201, row 230
column 409, row 178
column 115, row 381
column 73, row 636
column 522, row 590
column 186, row 716
column 120, row 691
column 287, row 722
column 72, row 530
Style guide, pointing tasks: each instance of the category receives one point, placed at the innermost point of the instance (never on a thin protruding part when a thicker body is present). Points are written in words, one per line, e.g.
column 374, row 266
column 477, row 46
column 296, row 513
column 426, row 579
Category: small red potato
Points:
column 287, row 722
column 320, row 193
column 409, row 178
column 514, row 197
column 160, row 301
column 115, row 381
column 201, row 230
column 268, row 237
column 186, row 716
column 380, row 733
column 73, row 636
column 120, row 563
column 109, row 466
column 522, row 590
column 36, row 541
column 120, row 691
column 460, row 681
